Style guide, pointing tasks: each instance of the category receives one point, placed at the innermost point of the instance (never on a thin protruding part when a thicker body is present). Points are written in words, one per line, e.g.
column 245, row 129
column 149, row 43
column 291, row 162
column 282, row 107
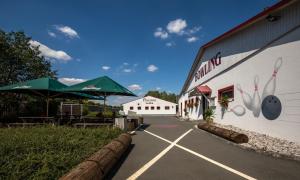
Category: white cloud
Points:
column 160, row 33
column 170, row 44
column 105, row 68
column 127, row 70
column 177, row 26
column 52, row 34
column 193, row 30
column 192, row 39
column 50, row 53
column 158, row 88
column 152, row 68
column 134, row 87
column 125, row 63
column 71, row 81
column 68, row 31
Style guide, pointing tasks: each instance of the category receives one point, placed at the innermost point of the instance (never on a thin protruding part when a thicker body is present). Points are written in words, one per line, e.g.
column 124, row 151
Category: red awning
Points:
column 203, row 89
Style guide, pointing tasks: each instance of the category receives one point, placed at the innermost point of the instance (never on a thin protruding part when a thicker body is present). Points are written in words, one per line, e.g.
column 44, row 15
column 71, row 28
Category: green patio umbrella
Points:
column 102, row 86
column 47, row 88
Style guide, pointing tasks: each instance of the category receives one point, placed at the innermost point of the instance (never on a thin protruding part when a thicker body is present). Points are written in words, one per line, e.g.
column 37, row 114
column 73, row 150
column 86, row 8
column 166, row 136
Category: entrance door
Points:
column 180, row 109
column 204, row 103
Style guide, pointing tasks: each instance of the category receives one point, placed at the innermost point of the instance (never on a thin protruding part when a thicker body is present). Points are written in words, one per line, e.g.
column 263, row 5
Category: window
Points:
column 167, row 107
column 131, row 108
column 147, row 108
column 152, row 107
column 227, row 91
column 158, row 107
column 139, row 108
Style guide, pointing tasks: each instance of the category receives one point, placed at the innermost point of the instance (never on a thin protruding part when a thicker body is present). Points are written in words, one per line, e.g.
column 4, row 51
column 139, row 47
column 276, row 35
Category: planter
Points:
column 224, row 133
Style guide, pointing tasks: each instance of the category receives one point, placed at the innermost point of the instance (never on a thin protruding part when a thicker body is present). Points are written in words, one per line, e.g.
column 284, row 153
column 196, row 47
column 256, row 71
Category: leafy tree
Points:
column 19, row 61
column 163, row 95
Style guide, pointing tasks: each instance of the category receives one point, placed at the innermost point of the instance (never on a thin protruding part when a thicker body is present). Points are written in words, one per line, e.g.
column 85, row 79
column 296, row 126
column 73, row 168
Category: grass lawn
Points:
column 48, row 152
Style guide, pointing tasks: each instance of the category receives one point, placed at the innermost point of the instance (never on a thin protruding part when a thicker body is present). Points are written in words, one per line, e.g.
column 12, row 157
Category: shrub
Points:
column 85, row 110
column 209, row 114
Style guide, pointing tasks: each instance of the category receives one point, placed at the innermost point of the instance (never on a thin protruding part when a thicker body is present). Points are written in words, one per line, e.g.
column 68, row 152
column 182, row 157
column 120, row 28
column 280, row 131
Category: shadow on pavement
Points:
column 117, row 166
column 143, row 127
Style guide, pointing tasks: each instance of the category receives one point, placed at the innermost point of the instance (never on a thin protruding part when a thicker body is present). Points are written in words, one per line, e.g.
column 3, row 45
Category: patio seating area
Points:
column 76, row 114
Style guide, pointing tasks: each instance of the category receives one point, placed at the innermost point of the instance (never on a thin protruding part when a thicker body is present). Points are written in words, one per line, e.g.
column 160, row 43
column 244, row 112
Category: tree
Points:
column 19, row 61
column 163, row 95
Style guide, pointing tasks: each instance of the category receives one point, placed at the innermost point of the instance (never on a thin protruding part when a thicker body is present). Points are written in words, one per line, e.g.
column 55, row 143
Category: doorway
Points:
column 180, row 109
column 204, row 103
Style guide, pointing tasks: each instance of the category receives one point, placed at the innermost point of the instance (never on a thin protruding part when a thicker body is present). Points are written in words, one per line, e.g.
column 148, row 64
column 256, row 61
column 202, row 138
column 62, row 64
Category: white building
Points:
column 150, row 106
column 256, row 65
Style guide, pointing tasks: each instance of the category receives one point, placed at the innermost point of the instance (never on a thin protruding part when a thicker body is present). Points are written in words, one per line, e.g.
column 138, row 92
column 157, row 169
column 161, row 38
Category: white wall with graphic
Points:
column 266, row 83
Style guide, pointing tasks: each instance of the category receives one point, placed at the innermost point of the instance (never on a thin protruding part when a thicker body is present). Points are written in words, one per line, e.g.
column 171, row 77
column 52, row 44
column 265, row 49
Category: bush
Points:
column 106, row 114
column 48, row 152
column 85, row 110
column 209, row 114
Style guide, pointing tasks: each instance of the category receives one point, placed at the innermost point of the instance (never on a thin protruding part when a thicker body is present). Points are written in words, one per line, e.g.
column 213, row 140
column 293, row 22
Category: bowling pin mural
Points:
column 237, row 110
column 270, row 86
column 256, row 101
column 245, row 97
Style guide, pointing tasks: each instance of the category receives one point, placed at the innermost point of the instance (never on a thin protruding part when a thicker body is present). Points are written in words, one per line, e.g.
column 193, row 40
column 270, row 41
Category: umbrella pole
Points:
column 47, row 110
column 104, row 103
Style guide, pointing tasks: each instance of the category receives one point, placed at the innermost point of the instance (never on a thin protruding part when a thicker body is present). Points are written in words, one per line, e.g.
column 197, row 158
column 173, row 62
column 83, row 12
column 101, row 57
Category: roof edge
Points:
column 232, row 31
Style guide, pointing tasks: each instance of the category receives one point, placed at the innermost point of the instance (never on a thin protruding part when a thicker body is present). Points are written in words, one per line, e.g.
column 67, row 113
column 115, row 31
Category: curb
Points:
column 101, row 162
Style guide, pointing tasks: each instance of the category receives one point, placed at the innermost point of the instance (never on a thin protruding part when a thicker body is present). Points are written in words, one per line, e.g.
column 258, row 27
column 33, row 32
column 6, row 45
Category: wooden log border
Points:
column 101, row 162
column 224, row 133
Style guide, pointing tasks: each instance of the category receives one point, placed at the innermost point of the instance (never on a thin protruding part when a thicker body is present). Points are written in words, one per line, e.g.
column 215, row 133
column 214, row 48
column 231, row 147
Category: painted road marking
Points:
column 156, row 158
column 216, row 163
column 158, row 136
column 203, row 157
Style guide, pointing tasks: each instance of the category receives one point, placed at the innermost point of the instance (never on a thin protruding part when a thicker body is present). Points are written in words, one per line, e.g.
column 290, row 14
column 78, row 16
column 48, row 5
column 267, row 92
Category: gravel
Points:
column 267, row 144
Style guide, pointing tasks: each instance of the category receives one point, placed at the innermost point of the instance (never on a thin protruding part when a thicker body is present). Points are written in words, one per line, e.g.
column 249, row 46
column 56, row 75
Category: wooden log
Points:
column 224, row 133
column 101, row 162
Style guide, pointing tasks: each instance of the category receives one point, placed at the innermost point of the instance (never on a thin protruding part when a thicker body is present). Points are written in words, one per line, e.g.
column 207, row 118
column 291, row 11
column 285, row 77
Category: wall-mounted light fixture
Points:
column 272, row 18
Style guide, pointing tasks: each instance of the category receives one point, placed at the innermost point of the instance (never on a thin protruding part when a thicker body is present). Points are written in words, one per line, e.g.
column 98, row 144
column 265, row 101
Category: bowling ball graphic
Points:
column 271, row 107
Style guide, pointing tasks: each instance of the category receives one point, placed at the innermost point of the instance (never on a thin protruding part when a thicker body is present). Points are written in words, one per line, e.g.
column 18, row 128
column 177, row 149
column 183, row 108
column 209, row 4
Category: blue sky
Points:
column 143, row 45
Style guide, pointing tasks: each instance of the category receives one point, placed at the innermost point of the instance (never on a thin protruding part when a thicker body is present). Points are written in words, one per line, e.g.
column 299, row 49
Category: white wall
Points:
column 150, row 101
column 260, row 64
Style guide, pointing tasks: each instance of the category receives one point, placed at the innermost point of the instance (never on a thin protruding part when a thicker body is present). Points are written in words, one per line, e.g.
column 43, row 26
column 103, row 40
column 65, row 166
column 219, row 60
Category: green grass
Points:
column 48, row 152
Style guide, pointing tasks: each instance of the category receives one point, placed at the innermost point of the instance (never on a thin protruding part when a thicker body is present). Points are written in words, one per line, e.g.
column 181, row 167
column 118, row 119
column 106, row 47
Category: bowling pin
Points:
column 237, row 110
column 256, row 101
column 245, row 97
column 270, row 86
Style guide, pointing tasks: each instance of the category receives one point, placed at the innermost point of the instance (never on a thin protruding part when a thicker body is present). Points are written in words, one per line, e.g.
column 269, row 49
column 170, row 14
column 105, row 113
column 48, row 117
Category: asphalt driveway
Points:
column 166, row 148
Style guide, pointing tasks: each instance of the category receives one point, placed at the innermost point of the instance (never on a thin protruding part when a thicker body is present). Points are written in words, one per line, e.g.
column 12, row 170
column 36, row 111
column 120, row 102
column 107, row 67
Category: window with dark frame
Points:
column 152, row 107
column 158, row 107
column 131, row 108
column 227, row 91
column 147, row 108
column 167, row 107
column 139, row 108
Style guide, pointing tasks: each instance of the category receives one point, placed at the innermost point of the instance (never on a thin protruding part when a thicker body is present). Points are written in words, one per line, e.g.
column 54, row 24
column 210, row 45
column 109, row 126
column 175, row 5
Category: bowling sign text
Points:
column 210, row 65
